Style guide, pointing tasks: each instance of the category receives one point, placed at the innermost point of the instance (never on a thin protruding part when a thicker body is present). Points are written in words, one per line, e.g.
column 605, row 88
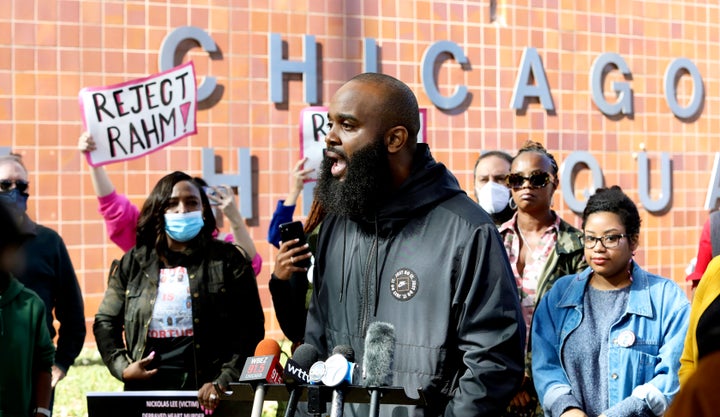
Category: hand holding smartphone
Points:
column 294, row 230
column 211, row 194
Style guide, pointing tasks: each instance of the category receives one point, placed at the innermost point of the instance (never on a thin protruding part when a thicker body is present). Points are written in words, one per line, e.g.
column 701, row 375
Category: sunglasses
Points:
column 21, row 185
column 539, row 180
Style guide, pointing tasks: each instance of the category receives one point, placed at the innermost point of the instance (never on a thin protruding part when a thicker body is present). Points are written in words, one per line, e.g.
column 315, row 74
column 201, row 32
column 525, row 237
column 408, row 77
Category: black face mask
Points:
column 366, row 182
column 15, row 199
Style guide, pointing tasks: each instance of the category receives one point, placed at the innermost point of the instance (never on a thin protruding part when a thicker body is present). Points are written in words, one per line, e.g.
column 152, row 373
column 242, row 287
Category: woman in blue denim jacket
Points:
column 607, row 341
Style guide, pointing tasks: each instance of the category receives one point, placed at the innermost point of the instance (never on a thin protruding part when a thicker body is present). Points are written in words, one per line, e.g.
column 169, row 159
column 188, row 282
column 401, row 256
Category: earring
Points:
column 512, row 204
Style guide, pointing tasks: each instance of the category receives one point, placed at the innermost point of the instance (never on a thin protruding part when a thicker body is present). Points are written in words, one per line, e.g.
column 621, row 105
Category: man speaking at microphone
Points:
column 404, row 244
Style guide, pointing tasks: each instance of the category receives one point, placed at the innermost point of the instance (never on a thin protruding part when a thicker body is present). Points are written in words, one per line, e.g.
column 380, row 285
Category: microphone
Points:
column 315, row 400
column 339, row 369
column 316, row 373
column 262, row 368
column 378, row 361
column 296, row 374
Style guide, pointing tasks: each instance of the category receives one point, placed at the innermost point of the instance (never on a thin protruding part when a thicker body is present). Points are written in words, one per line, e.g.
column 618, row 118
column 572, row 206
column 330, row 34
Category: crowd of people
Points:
column 499, row 306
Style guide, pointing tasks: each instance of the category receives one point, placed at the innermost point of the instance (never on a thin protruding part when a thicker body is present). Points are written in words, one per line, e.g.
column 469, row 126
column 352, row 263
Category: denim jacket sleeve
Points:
column 549, row 378
column 659, row 391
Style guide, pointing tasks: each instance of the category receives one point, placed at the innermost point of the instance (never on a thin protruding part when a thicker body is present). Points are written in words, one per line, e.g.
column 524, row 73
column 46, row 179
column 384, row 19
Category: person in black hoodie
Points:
column 403, row 244
column 47, row 270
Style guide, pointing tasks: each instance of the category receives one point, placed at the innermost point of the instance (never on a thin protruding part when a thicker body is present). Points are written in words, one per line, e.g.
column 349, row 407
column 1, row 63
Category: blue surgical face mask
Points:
column 183, row 227
column 14, row 198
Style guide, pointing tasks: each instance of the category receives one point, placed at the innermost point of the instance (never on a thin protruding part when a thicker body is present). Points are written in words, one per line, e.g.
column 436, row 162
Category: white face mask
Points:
column 493, row 197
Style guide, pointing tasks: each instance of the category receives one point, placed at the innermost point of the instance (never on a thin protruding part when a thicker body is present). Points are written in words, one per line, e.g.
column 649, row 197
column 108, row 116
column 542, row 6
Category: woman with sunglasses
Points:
column 607, row 341
column 187, row 303
column 540, row 245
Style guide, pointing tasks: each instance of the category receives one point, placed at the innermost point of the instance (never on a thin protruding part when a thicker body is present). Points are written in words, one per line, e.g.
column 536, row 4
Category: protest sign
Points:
column 158, row 404
column 134, row 118
column 313, row 128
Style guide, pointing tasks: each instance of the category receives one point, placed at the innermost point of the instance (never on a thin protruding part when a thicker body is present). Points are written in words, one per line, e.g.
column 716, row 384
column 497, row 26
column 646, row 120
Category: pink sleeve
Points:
column 704, row 254
column 257, row 263
column 121, row 218
column 256, row 260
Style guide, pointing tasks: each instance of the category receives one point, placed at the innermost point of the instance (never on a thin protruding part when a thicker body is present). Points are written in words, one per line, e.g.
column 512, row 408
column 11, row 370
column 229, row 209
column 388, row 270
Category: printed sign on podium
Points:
column 158, row 404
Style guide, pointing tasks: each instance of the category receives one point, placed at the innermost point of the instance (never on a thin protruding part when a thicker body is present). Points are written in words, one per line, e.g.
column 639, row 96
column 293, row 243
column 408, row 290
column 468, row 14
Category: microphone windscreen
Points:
column 379, row 352
column 346, row 351
column 267, row 347
column 305, row 355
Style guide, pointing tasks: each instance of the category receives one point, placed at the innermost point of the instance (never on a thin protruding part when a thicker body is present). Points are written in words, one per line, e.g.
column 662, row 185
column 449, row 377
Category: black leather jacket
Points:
column 434, row 266
column 228, row 320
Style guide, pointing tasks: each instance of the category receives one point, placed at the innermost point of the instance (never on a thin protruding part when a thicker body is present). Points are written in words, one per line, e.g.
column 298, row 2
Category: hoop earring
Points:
column 512, row 204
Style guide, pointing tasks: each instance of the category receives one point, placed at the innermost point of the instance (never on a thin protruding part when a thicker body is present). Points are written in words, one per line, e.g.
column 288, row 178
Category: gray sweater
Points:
column 585, row 359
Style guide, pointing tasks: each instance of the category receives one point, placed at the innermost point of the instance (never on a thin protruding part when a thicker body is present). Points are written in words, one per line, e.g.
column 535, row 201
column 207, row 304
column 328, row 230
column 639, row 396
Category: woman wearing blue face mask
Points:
column 170, row 343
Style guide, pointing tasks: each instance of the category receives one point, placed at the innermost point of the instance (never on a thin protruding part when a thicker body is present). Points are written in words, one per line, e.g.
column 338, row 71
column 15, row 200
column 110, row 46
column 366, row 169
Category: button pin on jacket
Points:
column 626, row 338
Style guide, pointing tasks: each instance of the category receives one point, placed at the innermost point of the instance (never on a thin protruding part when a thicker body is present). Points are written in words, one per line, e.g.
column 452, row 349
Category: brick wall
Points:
column 53, row 48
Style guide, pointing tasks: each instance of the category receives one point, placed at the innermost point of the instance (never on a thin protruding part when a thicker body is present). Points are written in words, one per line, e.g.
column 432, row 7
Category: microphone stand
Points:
column 374, row 403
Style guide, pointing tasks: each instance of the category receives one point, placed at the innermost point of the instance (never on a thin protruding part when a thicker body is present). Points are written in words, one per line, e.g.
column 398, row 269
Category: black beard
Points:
column 366, row 181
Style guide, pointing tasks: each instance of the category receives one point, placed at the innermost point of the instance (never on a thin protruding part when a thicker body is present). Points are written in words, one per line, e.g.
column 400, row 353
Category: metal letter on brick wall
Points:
column 598, row 71
column 278, row 66
column 673, row 73
column 242, row 180
column 663, row 201
column 429, row 61
column 573, row 164
column 175, row 46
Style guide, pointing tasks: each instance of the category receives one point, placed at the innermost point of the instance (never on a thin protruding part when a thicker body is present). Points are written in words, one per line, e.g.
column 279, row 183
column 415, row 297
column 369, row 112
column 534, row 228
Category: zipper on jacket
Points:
column 367, row 303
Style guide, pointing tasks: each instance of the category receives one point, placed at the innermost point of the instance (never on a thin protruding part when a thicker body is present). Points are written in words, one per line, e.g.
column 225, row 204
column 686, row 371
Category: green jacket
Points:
column 228, row 320
column 25, row 348
column 567, row 258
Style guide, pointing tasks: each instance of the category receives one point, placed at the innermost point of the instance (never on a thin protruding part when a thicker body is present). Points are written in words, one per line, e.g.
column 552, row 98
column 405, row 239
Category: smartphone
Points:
column 294, row 230
column 210, row 191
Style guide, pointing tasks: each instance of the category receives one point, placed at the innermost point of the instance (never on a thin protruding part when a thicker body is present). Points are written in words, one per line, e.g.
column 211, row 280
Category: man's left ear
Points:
column 395, row 139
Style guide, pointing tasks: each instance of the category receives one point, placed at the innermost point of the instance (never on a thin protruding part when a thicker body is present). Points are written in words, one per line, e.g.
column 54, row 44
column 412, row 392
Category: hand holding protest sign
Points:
column 134, row 118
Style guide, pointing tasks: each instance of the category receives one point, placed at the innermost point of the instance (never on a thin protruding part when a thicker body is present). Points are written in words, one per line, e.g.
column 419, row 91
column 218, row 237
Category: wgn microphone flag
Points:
column 378, row 361
column 262, row 368
column 297, row 373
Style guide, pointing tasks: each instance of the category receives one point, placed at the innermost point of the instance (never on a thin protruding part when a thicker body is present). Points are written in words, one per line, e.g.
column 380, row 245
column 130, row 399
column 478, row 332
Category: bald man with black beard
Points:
column 403, row 244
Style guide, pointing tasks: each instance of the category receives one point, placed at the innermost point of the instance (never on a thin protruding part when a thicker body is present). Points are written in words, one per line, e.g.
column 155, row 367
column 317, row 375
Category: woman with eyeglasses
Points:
column 540, row 245
column 607, row 341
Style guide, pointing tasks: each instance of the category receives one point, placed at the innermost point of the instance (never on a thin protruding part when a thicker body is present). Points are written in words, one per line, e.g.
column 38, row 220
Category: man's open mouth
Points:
column 339, row 163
